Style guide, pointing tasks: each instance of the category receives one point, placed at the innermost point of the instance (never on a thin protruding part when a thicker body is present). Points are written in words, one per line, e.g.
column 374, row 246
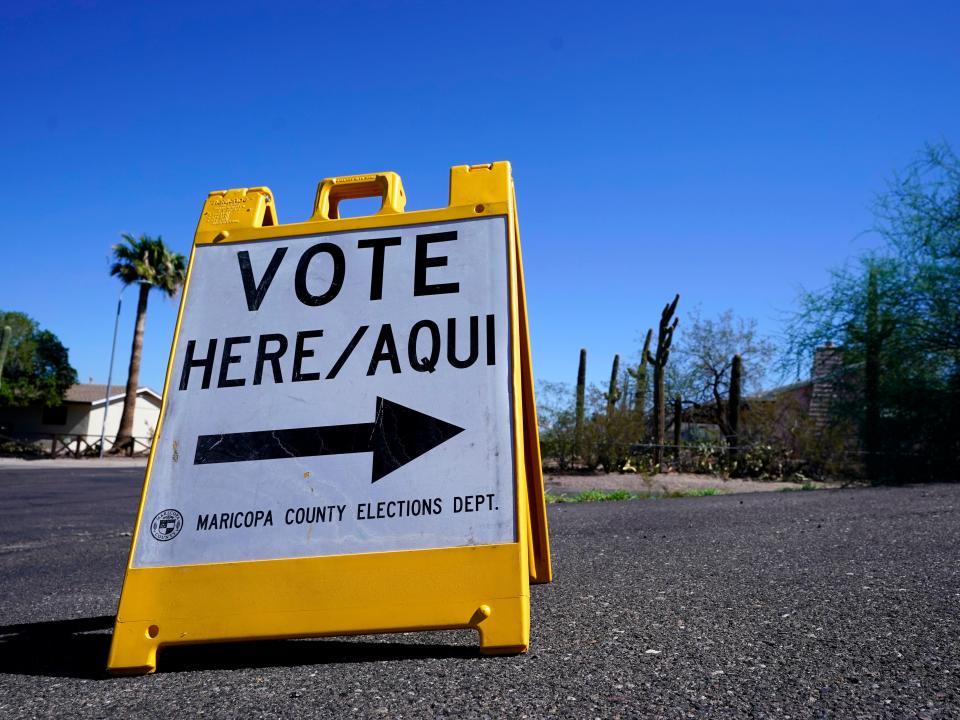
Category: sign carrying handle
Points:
column 385, row 185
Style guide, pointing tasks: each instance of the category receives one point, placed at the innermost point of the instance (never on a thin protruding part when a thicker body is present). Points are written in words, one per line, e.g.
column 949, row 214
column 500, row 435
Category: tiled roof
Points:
column 89, row 394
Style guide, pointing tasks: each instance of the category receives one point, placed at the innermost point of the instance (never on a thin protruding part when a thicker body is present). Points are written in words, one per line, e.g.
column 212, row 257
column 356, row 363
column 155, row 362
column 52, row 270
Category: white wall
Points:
column 145, row 417
column 30, row 420
column 85, row 420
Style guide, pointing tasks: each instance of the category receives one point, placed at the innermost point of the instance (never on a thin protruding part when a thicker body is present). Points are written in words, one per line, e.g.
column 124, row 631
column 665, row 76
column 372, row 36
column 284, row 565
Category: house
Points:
column 814, row 398
column 780, row 409
column 77, row 423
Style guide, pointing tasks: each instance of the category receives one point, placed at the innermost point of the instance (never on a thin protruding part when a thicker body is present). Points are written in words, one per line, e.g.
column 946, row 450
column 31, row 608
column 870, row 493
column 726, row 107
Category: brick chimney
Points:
column 827, row 362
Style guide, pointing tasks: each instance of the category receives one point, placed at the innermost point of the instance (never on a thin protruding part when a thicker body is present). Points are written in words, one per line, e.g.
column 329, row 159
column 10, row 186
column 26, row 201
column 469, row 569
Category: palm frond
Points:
column 148, row 260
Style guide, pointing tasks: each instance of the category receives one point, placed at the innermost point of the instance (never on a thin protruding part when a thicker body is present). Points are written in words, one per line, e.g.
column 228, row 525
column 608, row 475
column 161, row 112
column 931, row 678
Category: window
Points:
column 55, row 415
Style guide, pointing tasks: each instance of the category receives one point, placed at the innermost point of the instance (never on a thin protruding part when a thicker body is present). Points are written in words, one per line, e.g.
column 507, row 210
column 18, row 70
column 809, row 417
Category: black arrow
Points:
column 397, row 436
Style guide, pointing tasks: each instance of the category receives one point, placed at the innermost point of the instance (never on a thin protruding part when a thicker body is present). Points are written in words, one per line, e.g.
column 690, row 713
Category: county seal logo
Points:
column 166, row 525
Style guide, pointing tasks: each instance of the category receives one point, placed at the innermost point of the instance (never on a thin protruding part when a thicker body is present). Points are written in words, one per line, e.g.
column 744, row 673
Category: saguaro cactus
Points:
column 640, row 393
column 4, row 344
column 613, row 392
column 581, row 394
column 733, row 407
column 677, row 422
column 659, row 362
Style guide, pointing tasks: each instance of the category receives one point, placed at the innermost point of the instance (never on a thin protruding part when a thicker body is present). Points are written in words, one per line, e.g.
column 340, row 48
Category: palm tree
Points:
column 149, row 262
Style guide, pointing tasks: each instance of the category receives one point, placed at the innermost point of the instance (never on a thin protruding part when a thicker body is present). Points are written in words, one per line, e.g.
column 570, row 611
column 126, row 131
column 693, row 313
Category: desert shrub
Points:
column 557, row 419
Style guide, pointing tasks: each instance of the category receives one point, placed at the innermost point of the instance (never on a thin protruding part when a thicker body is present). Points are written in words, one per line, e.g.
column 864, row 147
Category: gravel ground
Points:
column 110, row 461
column 665, row 483
column 774, row 605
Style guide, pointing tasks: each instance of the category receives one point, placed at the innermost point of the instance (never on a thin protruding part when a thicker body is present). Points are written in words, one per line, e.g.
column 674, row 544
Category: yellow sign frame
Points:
column 485, row 587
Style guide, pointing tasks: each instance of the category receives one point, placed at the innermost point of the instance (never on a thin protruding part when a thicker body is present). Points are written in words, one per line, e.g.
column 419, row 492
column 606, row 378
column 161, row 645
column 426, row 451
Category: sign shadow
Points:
column 75, row 648
column 78, row 648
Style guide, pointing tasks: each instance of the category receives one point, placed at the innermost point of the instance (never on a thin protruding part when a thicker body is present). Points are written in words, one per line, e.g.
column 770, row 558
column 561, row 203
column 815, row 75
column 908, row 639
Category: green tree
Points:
column 37, row 366
column 919, row 217
column 559, row 431
column 148, row 262
column 896, row 315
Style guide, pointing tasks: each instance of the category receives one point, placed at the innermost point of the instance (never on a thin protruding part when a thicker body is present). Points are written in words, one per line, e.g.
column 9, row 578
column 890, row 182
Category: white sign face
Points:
column 338, row 394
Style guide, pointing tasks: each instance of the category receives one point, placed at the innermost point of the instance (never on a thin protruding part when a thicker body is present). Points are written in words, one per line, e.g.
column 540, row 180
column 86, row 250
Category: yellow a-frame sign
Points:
column 348, row 440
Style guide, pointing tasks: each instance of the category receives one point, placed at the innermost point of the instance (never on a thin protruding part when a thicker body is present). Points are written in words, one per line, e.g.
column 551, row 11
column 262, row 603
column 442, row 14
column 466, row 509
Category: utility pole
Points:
column 113, row 350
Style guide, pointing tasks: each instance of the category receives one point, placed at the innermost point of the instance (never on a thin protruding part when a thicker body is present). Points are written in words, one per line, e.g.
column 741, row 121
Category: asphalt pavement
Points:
column 831, row 603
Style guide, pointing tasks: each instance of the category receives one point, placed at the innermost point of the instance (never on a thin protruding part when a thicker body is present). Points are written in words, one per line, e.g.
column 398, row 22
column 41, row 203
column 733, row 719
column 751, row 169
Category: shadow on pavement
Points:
column 288, row 653
column 61, row 648
column 78, row 648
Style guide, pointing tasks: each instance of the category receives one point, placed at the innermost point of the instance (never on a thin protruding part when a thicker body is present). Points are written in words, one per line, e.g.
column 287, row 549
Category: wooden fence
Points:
column 54, row 445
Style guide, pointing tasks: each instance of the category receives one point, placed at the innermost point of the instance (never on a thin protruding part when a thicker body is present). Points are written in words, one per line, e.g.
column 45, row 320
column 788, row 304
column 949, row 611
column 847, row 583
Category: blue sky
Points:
column 726, row 151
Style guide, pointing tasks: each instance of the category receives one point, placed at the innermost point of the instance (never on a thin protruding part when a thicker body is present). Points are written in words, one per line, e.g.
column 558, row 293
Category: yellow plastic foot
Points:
column 134, row 649
column 504, row 626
